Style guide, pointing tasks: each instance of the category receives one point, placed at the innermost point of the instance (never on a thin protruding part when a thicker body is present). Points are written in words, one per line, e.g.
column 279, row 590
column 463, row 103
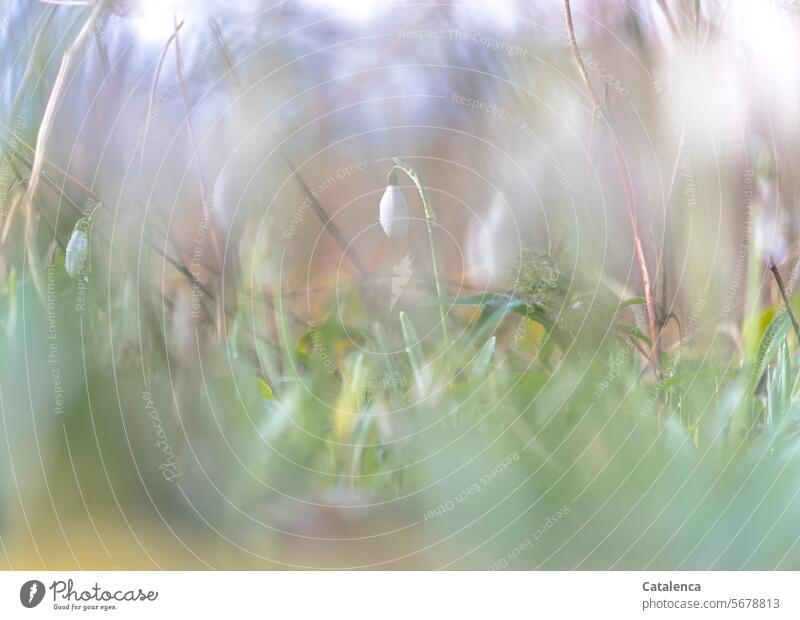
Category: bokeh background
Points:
column 228, row 382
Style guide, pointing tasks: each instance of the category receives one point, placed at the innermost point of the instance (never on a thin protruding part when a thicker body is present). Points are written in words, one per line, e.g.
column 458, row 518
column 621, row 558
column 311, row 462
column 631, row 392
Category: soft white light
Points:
column 155, row 19
column 356, row 10
column 768, row 33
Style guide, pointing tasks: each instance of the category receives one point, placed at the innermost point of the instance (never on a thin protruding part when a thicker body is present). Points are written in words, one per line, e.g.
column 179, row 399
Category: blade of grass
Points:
column 415, row 354
column 481, row 365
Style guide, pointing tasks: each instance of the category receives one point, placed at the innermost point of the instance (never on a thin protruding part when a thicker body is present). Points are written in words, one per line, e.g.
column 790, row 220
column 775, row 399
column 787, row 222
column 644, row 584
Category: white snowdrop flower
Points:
column 393, row 209
column 771, row 238
column 77, row 251
column 493, row 244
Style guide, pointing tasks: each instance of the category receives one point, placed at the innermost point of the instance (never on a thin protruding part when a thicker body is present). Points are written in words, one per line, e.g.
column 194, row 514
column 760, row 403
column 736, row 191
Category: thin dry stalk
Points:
column 32, row 63
column 206, row 215
column 322, row 215
column 226, row 58
column 327, row 223
column 153, row 88
column 45, row 162
column 622, row 172
column 101, row 51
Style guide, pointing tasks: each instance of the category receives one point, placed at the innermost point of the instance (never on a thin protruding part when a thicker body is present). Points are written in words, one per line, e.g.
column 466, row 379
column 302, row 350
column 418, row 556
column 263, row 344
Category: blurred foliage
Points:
column 476, row 447
column 148, row 421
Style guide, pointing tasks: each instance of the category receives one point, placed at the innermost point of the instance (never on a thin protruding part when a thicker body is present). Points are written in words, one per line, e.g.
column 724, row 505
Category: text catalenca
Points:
column 670, row 586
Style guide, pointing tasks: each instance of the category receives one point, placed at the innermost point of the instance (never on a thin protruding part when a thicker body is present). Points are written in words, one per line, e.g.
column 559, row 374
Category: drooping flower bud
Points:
column 77, row 251
column 393, row 209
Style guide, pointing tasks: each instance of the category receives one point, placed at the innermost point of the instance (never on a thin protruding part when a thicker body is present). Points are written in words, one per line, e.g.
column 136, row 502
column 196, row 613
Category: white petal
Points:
column 394, row 212
column 492, row 244
column 77, row 250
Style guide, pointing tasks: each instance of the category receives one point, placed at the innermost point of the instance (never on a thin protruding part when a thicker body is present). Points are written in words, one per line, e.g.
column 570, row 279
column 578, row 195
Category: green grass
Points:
column 524, row 427
column 696, row 469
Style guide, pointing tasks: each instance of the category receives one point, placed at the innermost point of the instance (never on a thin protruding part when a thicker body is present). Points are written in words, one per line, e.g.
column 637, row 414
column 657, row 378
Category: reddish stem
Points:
column 622, row 172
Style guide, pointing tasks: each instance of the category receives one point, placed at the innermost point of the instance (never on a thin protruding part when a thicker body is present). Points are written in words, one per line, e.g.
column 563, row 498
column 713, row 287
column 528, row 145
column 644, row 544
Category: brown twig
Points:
column 774, row 269
column 622, row 172
column 206, row 208
column 226, row 58
column 322, row 215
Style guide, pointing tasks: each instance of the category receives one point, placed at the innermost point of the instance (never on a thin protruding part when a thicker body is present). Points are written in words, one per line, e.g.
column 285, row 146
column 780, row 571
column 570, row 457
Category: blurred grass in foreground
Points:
column 373, row 446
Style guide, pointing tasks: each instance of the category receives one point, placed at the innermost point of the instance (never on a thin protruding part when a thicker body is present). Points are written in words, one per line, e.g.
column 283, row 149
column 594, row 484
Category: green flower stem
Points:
column 430, row 220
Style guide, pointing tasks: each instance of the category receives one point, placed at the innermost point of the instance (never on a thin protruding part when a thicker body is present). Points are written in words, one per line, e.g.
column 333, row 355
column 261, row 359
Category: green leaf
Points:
column 415, row 354
column 492, row 299
column 633, row 301
column 264, row 389
column 635, row 332
column 770, row 342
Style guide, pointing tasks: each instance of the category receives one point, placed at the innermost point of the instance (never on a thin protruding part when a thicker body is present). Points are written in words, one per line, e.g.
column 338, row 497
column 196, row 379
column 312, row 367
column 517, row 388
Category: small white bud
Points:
column 393, row 209
column 77, row 251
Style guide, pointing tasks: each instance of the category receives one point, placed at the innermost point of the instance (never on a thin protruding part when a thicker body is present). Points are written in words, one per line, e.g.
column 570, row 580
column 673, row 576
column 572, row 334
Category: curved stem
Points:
column 430, row 220
column 89, row 226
